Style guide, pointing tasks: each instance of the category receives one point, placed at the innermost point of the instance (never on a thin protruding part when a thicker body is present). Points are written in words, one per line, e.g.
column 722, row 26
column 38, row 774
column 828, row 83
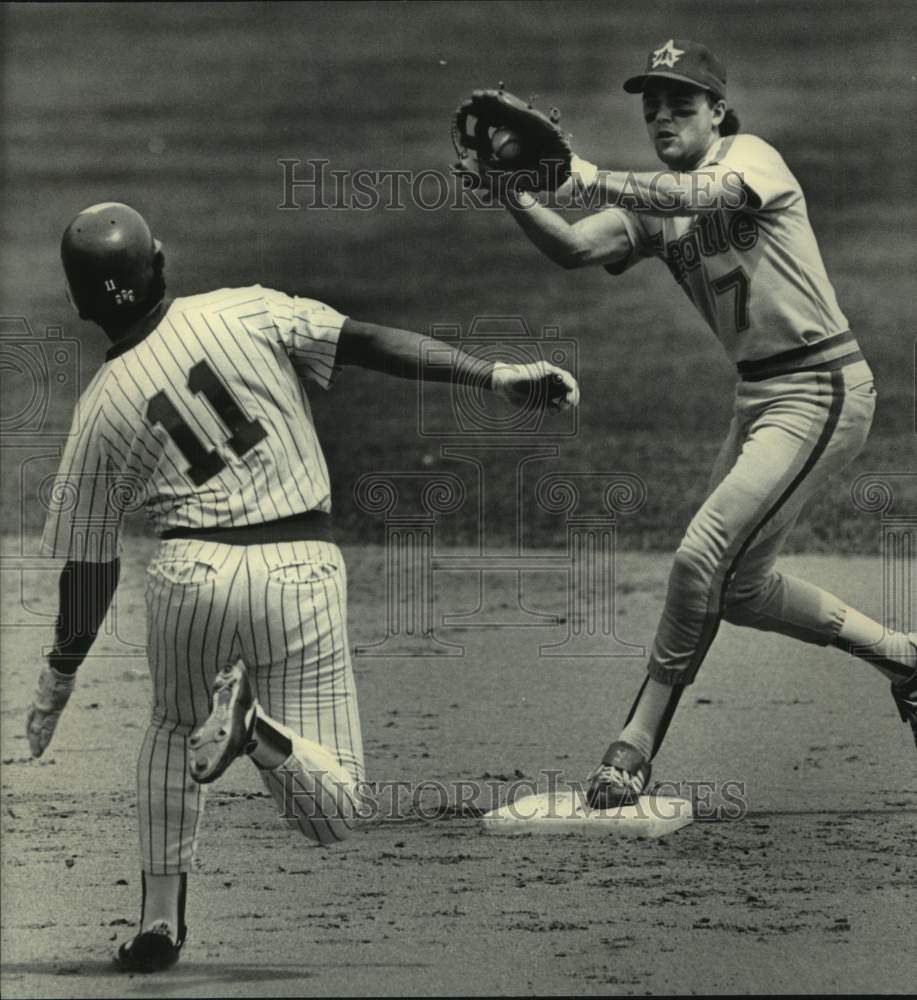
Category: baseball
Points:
column 506, row 144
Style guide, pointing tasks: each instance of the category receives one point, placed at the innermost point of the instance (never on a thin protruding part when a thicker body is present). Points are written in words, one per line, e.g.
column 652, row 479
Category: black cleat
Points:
column 151, row 951
column 905, row 696
column 905, row 691
column 619, row 779
column 224, row 735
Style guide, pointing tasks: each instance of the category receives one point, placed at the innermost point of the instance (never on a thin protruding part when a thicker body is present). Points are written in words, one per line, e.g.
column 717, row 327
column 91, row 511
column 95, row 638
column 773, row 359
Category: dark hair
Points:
column 730, row 124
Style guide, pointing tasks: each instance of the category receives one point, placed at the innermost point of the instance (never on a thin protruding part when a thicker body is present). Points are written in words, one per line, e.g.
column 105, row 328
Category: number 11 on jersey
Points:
column 204, row 463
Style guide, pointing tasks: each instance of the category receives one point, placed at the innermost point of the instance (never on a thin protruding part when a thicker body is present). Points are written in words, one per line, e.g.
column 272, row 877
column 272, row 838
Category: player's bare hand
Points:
column 501, row 188
column 539, row 385
column 51, row 696
column 468, row 171
column 489, row 186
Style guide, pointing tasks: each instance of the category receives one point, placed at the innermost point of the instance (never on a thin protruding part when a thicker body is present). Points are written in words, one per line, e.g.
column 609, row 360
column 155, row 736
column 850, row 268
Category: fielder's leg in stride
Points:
column 752, row 268
column 788, row 436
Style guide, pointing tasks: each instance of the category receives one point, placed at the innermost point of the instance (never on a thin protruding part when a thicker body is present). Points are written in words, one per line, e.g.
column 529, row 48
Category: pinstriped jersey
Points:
column 204, row 422
column 756, row 275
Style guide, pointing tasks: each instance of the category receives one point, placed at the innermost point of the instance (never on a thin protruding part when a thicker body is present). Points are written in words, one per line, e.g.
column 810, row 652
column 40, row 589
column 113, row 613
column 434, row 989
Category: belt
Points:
column 824, row 356
column 310, row 526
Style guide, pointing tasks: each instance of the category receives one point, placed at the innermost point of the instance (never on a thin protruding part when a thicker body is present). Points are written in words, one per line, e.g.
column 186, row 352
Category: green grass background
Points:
column 183, row 111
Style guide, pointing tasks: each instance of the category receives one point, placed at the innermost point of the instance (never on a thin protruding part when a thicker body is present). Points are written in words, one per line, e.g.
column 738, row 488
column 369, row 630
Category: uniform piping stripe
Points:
column 824, row 439
column 667, row 716
column 711, row 626
column 633, row 708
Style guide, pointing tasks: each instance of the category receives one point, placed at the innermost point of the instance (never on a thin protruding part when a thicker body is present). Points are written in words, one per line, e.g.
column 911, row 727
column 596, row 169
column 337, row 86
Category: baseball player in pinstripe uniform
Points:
column 200, row 414
column 729, row 220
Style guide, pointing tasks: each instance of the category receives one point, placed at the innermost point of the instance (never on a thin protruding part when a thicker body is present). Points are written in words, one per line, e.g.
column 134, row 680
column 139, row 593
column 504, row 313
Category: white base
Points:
column 566, row 812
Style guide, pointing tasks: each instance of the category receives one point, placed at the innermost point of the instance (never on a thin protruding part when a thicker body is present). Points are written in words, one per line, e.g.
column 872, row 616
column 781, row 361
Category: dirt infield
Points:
column 812, row 888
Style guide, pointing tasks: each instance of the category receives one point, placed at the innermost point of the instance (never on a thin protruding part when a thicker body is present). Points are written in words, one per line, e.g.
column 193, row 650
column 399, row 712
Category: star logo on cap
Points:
column 668, row 55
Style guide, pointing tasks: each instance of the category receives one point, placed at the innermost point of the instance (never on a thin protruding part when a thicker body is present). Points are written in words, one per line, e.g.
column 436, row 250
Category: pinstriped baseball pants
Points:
column 281, row 609
column 789, row 434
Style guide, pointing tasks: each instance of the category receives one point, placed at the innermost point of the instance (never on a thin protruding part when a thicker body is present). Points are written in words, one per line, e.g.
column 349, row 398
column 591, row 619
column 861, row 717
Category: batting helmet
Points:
column 113, row 264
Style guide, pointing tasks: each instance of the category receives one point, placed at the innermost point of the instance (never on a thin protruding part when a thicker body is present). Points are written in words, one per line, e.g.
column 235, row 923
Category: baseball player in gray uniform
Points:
column 200, row 414
column 729, row 220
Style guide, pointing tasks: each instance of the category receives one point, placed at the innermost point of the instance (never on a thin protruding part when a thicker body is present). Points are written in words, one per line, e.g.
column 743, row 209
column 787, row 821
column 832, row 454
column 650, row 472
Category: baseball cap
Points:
column 681, row 59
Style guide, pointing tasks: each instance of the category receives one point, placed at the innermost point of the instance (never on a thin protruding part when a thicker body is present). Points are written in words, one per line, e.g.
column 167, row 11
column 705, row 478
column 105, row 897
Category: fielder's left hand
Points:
column 51, row 696
column 538, row 385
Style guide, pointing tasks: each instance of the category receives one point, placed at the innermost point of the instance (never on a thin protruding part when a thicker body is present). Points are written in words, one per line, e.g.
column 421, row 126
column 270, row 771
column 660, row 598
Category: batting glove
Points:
column 539, row 384
column 51, row 695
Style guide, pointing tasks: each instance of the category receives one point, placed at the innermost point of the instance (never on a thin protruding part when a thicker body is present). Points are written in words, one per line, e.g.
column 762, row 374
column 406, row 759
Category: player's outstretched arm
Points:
column 665, row 192
column 597, row 239
column 86, row 590
column 670, row 192
column 406, row 354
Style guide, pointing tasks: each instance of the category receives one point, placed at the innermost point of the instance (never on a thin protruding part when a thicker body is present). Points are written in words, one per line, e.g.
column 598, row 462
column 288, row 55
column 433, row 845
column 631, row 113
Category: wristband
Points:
column 586, row 171
column 522, row 199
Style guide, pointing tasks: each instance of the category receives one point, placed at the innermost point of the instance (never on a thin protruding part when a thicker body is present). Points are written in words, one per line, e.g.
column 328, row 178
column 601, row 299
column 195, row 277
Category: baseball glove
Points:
column 537, row 157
